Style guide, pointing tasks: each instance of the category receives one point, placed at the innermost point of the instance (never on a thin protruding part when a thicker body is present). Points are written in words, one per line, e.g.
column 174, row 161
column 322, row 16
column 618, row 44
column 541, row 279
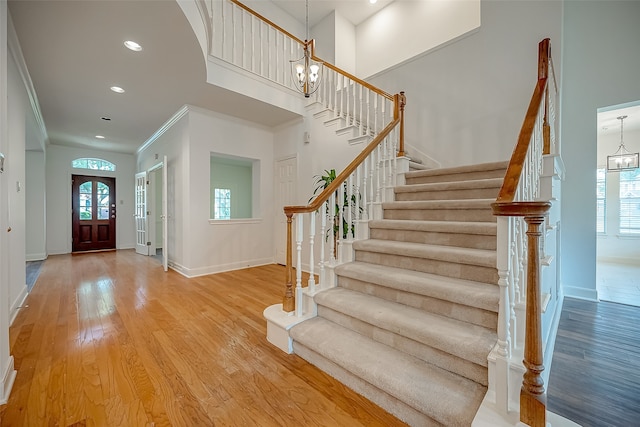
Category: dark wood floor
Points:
column 595, row 373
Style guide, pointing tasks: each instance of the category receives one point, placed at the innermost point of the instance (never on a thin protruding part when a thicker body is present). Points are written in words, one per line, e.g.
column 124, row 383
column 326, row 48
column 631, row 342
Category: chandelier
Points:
column 622, row 159
column 305, row 72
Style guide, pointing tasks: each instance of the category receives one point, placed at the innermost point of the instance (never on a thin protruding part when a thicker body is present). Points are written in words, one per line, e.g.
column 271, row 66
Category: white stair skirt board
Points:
column 278, row 324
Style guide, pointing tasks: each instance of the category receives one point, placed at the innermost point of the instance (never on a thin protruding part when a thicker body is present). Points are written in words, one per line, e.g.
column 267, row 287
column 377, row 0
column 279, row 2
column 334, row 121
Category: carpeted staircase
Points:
column 414, row 317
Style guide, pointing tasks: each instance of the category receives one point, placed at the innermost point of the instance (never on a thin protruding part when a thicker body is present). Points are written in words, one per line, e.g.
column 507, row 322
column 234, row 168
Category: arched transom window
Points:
column 93, row 164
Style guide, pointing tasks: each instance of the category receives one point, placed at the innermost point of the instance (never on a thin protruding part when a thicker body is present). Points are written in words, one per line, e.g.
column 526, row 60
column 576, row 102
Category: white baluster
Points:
column 349, row 207
column 244, row 37
column 261, row 26
column 372, row 168
column 365, row 177
column 299, row 238
column 383, row 154
column 341, row 196
column 312, row 233
column 323, row 238
column 377, row 174
column 331, row 211
column 253, row 44
column 358, row 210
column 276, row 49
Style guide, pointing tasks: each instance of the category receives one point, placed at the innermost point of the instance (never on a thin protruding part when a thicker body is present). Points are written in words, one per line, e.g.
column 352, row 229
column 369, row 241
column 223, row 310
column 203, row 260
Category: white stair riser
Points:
column 450, row 309
column 476, row 215
column 471, row 241
column 412, row 179
column 439, row 358
column 483, row 274
column 472, row 193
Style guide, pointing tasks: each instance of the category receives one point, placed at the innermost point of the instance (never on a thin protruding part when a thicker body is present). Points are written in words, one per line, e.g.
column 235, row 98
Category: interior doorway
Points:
column 93, row 213
column 618, row 206
column 156, row 231
column 286, row 192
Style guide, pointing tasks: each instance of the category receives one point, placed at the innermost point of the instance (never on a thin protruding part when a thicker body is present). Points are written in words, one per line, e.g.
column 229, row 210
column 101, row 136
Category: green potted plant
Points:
column 349, row 202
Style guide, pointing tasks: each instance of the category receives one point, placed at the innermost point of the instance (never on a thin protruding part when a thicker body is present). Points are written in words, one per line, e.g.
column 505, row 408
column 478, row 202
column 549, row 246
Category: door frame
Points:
column 153, row 180
column 280, row 252
column 112, row 211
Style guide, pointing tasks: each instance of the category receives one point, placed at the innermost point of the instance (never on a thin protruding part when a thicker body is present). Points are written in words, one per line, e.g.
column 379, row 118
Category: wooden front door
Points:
column 93, row 210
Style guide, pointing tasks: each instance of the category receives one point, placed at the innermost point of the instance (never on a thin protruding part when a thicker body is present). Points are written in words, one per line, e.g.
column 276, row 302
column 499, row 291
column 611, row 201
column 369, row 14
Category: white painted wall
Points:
column 36, row 213
column 198, row 246
column 466, row 101
column 600, row 63
column 7, row 373
column 611, row 247
column 173, row 143
column 17, row 114
column 335, row 38
column 218, row 246
column 58, row 190
column 405, row 29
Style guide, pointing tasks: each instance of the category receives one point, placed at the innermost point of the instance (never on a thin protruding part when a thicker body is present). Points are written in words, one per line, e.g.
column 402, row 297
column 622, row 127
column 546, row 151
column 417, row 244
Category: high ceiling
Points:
column 74, row 53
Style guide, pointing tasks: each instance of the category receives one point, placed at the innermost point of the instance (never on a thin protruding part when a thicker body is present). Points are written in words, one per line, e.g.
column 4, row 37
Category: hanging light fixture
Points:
column 622, row 159
column 305, row 72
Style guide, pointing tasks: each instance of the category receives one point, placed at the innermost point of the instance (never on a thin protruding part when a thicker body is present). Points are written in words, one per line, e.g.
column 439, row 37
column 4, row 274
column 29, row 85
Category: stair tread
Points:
column 446, row 397
column 460, row 291
column 469, row 256
column 440, row 204
column 484, row 228
column 465, row 340
column 460, row 169
column 449, row 186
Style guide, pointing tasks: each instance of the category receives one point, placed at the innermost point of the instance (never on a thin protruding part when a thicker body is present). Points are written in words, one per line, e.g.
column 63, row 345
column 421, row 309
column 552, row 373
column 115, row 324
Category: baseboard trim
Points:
column 37, row 257
column 213, row 269
column 7, row 381
column 580, row 293
column 17, row 304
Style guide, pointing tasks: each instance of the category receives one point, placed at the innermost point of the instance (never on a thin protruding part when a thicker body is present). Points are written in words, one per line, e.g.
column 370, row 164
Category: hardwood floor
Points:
column 109, row 339
column 595, row 373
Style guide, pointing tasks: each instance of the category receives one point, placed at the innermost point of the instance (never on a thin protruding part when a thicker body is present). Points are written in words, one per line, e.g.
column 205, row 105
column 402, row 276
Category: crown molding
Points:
column 164, row 128
column 15, row 50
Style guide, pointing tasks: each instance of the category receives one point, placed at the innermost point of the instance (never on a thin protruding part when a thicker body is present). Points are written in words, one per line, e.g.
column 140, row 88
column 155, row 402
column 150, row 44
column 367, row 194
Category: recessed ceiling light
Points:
column 99, row 136
column 117, row 89
column 133, row 46
column 373, row 1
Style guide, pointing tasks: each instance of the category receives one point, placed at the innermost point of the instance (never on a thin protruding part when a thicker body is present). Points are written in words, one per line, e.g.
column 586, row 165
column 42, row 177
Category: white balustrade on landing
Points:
column 246, row 41
column 240, row 38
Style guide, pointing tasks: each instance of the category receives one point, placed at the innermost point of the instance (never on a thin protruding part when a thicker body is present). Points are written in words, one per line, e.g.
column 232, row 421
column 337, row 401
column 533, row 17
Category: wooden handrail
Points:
column 337, row 182
column 514, row 170
column 532, row 393
column 262, row 18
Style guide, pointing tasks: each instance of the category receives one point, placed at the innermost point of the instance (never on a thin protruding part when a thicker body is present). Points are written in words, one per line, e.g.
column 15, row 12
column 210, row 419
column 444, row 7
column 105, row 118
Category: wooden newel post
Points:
column 289, row 303
column 533, row 400
column 402, row 102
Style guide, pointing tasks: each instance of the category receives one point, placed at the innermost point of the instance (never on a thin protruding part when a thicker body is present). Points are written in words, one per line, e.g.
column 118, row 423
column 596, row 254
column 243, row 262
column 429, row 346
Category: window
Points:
column 630, row 202
column 93, row 164
column 86, row 191
column 222, row 203
column 601, row 189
